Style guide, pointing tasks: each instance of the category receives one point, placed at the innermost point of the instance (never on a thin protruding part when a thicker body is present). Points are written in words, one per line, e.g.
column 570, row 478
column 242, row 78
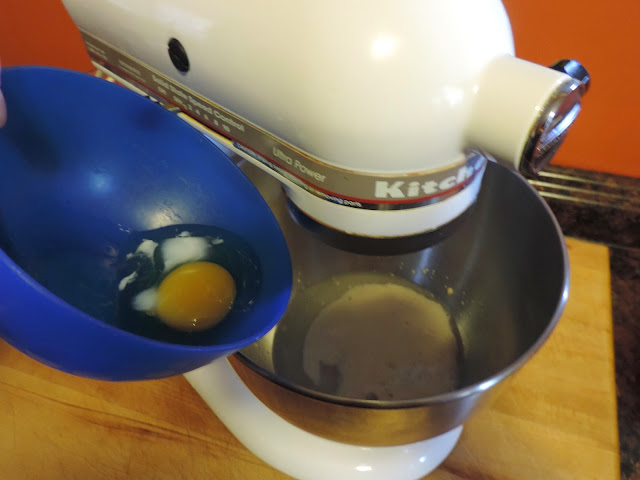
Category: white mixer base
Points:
column 303, row 455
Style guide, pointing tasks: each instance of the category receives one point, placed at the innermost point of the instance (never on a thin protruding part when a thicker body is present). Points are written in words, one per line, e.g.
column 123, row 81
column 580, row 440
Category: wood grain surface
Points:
column 556, row 419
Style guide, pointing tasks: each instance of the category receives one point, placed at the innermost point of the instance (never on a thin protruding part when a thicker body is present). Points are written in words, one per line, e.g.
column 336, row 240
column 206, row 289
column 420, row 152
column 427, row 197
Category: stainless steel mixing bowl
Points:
column 502, row 274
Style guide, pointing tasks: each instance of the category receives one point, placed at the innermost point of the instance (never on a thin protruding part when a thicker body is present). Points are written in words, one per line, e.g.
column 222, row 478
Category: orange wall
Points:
column 40, row 32
column 604, row 37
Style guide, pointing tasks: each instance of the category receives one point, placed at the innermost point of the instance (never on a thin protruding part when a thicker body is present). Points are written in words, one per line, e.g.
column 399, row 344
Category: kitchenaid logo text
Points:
column 400, row 189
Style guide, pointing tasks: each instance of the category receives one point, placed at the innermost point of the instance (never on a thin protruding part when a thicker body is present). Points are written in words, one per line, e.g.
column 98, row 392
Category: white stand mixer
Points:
column 377, row 118
column 301, row 454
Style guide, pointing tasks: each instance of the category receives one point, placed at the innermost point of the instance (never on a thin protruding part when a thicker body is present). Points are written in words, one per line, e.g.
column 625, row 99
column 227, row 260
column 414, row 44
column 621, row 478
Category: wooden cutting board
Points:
column 556, row 419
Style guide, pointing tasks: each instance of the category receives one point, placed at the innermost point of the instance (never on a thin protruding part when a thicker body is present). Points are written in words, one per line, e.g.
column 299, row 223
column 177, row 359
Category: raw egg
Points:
column 193, row 297
column 176, row 283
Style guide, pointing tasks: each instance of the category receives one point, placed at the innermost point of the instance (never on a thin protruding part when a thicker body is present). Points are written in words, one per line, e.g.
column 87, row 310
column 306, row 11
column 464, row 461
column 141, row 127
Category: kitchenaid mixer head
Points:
column 378, row 121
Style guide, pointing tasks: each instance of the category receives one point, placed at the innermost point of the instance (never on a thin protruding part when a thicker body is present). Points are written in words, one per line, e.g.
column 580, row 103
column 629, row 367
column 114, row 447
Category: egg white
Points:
column 180, row 250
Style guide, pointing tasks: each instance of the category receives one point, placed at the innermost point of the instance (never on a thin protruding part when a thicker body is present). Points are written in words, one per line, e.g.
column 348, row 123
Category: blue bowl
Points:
column 86, row 167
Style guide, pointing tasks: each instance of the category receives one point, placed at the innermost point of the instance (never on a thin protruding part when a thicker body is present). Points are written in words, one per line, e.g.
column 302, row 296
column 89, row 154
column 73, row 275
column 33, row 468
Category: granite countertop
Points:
column 605, row 209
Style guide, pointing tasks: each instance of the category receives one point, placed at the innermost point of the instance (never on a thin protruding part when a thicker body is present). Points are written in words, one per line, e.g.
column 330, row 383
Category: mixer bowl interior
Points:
column 502, row 276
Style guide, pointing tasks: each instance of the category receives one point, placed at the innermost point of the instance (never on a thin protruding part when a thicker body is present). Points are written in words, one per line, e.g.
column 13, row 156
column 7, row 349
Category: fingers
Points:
column 3, row 110
column 3, row 105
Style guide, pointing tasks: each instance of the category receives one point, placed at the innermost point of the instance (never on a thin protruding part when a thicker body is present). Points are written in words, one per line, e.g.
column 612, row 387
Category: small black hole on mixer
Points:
column 178, row 55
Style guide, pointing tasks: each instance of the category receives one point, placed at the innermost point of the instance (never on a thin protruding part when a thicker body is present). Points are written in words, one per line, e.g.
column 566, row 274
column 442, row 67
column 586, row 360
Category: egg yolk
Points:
column 195, row 296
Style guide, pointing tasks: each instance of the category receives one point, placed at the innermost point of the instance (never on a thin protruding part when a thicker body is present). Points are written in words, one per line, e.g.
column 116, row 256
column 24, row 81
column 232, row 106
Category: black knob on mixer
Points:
column 178, row 55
